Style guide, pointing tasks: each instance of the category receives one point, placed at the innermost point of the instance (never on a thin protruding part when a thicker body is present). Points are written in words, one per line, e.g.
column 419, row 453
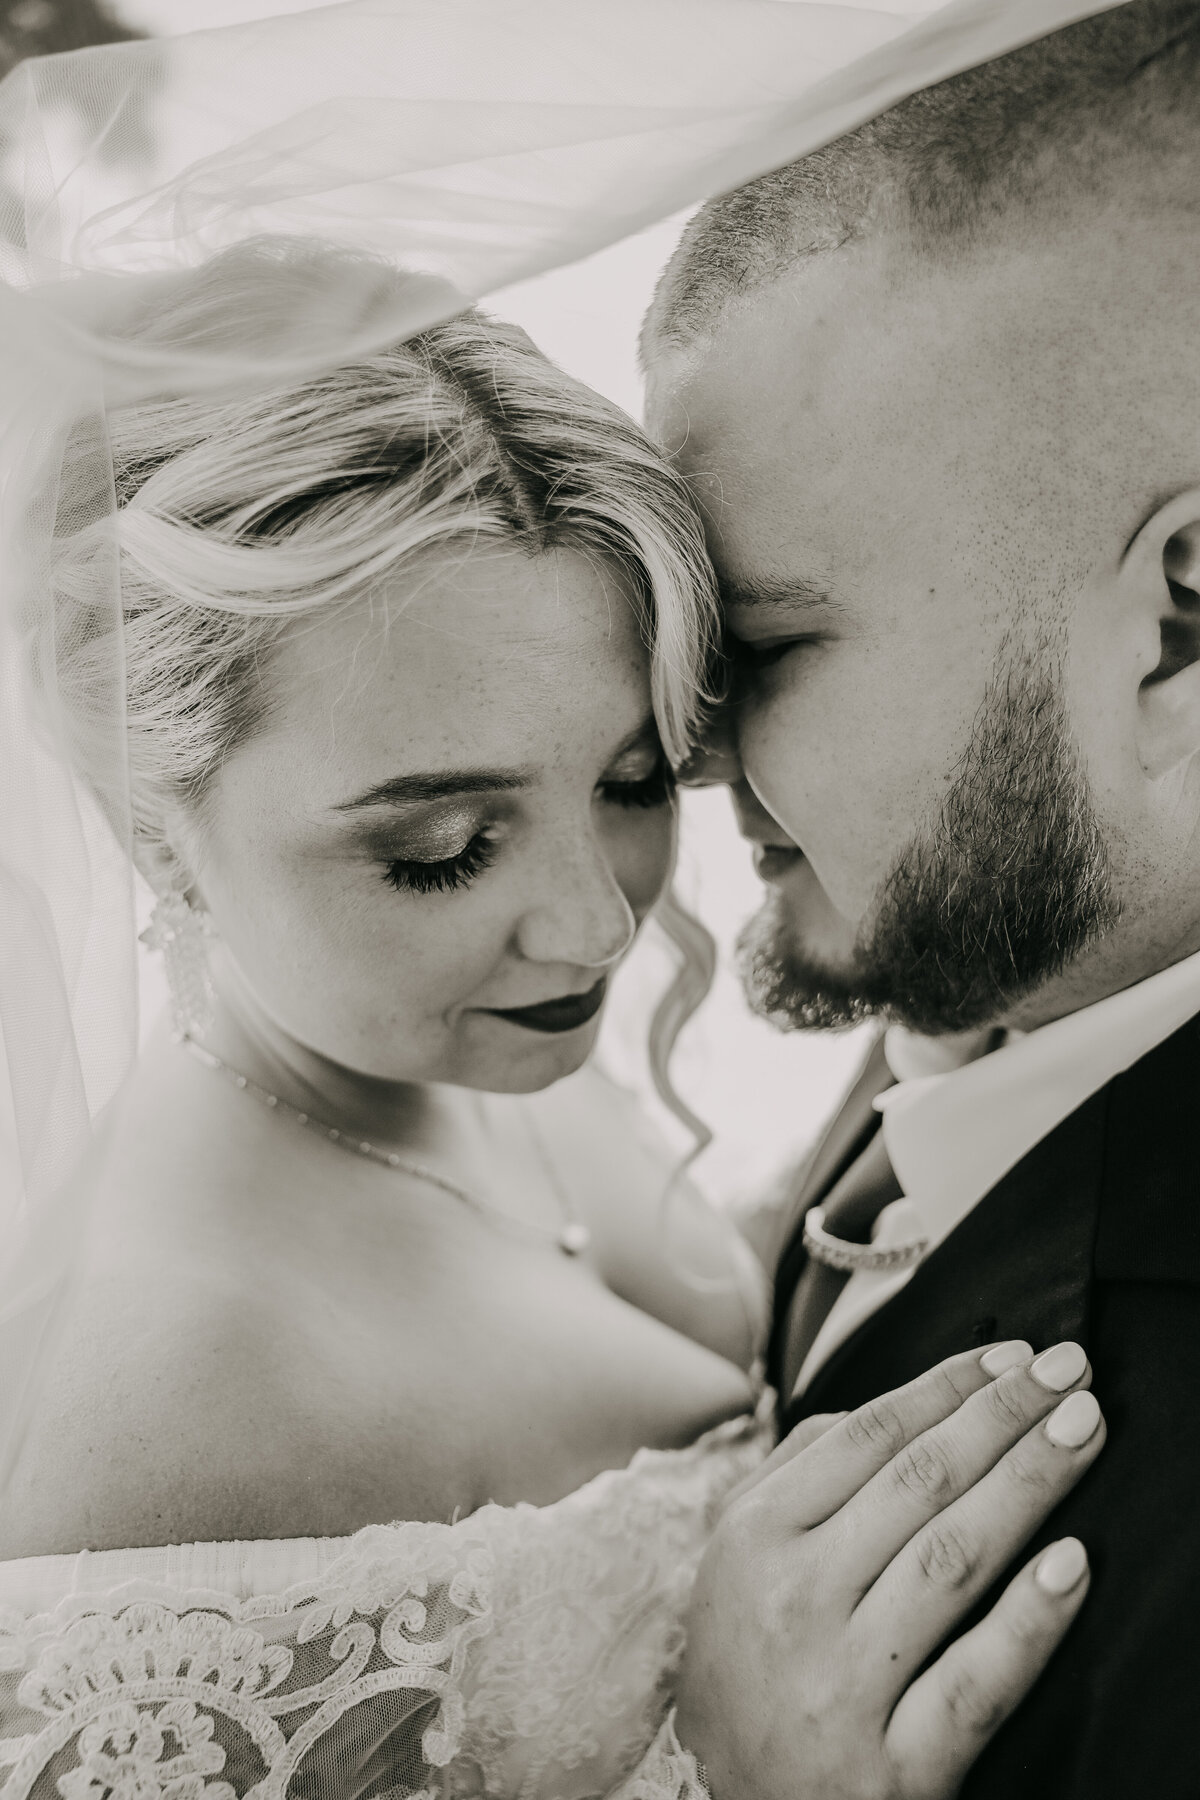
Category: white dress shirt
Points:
column 956, row 1121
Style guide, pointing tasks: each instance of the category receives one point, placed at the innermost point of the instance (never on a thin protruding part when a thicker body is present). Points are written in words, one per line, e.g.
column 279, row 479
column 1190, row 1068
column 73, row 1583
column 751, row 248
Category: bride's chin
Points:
column 528, row 1069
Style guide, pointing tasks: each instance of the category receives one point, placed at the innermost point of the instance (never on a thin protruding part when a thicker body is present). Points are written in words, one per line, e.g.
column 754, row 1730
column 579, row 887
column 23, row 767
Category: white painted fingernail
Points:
column 1061, row 1367
column 1003, row 1357
column 1074, row 1420
column 1061, row 1567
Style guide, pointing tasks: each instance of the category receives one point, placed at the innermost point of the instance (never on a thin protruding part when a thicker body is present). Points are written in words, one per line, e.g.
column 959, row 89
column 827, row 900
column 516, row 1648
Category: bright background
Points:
column 764, row 1095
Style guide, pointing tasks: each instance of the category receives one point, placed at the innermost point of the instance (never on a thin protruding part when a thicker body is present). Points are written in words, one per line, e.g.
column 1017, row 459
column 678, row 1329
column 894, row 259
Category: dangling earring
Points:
column 179, row 930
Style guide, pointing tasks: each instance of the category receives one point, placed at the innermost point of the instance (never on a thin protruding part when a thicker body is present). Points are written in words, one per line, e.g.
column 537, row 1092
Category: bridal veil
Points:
column 470, row 143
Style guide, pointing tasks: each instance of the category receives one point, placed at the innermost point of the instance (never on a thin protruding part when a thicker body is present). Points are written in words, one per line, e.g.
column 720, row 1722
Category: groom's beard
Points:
column 1012, row 881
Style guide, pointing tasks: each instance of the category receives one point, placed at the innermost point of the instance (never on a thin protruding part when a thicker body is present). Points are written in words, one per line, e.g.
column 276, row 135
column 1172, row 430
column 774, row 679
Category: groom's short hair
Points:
column 1098, row 103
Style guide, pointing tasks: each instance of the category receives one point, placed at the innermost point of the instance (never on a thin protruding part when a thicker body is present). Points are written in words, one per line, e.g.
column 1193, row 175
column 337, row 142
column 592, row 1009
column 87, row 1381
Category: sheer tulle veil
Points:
column 471, row 143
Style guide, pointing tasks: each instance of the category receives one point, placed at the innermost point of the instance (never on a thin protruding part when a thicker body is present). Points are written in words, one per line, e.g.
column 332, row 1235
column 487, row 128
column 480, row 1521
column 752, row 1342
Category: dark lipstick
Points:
column 566, row 1013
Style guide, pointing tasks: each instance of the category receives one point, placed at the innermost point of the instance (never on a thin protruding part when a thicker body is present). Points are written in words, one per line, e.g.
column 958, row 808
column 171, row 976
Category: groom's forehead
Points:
column 776, row 416
column 772, row 534
column 847, row 390
column 793, row 370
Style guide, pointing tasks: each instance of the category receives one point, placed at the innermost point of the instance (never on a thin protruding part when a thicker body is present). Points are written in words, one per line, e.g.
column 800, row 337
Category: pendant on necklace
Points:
column 574, row 1239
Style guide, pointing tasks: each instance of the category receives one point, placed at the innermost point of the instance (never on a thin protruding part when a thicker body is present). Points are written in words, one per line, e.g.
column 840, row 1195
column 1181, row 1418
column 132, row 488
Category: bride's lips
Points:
column 567, row 1013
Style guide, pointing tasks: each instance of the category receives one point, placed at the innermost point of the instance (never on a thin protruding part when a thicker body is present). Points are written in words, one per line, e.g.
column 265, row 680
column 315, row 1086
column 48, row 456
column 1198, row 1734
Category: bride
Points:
column 399, row 1391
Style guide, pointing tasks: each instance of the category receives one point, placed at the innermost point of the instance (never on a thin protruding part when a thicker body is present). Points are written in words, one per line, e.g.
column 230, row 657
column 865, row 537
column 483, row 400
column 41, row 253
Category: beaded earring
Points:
column 180, row 931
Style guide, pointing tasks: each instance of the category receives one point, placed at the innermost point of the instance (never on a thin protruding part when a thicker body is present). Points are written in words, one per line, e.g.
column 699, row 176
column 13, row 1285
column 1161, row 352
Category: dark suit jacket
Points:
column 1094, row 1235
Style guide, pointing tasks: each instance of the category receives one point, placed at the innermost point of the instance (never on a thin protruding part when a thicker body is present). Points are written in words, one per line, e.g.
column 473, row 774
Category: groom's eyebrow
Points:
column 407, row 790
column 794, row 591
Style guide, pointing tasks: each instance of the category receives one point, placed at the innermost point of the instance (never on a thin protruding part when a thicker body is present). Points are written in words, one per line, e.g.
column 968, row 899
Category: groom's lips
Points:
column 773, row 861
column 567, row 1013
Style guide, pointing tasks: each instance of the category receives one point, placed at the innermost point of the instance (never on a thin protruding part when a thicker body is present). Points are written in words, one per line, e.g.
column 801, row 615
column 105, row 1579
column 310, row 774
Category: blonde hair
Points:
column 238, row 512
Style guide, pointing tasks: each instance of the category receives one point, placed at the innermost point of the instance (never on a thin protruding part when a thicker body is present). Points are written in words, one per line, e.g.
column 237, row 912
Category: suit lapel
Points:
column 1149, row 1221
column 1018, row 1266
column 853, row 1125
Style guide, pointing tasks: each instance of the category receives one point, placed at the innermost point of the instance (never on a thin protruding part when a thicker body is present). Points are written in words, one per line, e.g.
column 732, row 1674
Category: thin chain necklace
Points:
column 572, row 1236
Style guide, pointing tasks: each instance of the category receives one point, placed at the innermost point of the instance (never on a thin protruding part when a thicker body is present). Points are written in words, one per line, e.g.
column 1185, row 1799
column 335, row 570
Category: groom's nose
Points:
column 755, row 823
column 714, row 761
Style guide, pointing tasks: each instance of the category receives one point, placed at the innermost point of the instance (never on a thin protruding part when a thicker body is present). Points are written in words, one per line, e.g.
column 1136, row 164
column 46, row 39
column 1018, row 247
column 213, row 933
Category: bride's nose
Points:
column 582, row 916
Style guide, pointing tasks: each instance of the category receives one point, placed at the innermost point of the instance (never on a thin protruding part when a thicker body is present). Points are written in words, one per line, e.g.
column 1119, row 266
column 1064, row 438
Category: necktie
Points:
column 851, row 1210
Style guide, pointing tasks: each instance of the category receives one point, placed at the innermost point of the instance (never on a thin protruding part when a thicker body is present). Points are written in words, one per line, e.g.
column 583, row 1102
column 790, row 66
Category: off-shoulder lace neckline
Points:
column 250, row 1566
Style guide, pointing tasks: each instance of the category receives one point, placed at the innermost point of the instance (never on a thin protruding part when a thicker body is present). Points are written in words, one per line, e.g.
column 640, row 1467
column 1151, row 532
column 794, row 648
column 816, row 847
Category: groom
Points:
column 937, row 388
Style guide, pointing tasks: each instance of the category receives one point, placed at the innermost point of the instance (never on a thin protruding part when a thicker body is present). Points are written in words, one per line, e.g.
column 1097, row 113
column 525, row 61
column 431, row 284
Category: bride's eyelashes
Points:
column 655, row 789
column 445, row 875
column 448, row 874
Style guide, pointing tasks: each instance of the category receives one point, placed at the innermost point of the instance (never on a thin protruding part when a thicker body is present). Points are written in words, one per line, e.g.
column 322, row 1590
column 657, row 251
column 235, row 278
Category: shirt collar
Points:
column 953, row 1132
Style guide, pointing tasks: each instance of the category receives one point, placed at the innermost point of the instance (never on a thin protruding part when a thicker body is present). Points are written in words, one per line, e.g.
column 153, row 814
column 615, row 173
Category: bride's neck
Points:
column 400, row 1114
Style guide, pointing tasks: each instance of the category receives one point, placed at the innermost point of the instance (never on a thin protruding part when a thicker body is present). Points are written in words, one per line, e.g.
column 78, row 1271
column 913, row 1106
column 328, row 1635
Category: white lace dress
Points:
column 524, row 1652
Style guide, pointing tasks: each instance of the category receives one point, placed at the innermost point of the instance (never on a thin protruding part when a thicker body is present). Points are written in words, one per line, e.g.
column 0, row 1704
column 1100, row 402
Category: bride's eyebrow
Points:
column 407, row 790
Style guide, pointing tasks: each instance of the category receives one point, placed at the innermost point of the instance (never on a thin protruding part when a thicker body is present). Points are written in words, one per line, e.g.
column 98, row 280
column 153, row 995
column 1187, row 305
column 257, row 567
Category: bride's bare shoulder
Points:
column 182, row 1411
column 140, row 1424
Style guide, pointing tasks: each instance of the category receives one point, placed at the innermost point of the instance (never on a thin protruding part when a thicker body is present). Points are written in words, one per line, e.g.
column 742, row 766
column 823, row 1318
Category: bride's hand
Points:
column 834, row 1576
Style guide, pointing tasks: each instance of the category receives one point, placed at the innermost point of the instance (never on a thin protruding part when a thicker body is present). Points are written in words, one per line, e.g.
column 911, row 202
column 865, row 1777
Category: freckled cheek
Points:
column 347, row 964
column 408, row 961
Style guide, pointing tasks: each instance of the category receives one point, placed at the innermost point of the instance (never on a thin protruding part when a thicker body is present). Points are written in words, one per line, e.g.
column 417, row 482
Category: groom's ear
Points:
column 1161, row 575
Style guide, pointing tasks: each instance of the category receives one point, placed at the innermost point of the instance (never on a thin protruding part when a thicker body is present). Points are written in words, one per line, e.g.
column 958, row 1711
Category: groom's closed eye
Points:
column 764, row 618
column 764, row 623
column 755, row 654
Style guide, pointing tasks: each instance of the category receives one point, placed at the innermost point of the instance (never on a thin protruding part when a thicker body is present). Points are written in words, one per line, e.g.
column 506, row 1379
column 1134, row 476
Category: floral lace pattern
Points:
column 666, row 1772
column 525, row 1652
column 153, row 1696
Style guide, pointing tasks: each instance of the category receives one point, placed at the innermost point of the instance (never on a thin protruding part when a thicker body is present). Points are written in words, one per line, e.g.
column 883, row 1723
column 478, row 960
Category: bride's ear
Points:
column 1161, row 577
column 158, row 863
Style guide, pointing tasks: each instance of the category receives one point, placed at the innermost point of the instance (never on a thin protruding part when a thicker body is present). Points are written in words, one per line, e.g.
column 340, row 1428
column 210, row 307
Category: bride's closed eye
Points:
column 448, row 873
column 654, row 789
column 640, row 778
